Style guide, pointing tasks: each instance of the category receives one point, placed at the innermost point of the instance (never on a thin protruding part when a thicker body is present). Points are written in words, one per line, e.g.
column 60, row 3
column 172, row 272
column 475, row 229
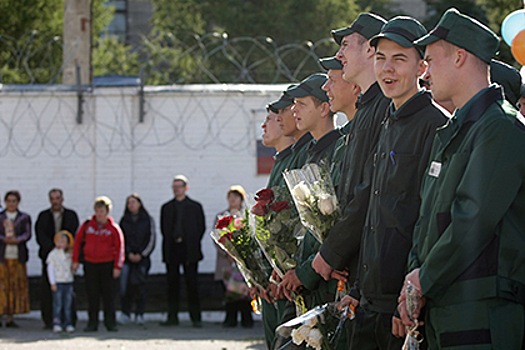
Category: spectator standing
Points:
column 60, row 276
column 138, row 228
column 102, row 243
column 237, row 292
column 15, row 231
column 48, row 224
column 182, row 227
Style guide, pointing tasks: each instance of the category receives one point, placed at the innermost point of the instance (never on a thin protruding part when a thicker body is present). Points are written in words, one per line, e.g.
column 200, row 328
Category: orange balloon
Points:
column 518, row 47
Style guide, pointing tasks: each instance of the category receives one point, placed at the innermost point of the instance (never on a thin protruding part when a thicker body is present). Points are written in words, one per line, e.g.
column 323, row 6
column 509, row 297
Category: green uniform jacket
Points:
column 399, row 162
column 283, row 161
column 300, row 151
column 341, row 248
column 339, row 154
column 319, row 152
column 292, row 157
column 469, row 242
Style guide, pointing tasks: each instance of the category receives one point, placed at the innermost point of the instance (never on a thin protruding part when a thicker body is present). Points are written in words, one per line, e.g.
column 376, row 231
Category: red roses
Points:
column 264, row 200
column 224, row 222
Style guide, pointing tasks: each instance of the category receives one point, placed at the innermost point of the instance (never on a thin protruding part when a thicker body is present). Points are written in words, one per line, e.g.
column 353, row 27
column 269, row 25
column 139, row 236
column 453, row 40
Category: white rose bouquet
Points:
column 320, row 328
column 314, row 197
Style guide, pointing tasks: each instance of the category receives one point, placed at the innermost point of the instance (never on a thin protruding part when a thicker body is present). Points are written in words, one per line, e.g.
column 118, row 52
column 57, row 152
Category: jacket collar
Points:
column 369, row 95
column 414, row 104
column 283, row 154
column 302, row 141
column 324, row 142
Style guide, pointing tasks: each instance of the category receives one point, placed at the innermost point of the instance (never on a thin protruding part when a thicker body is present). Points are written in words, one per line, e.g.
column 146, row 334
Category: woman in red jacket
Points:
column 102, row 242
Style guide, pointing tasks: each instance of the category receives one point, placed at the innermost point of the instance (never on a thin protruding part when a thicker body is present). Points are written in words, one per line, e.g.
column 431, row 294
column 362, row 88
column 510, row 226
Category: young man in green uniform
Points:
column 312, row 113
column 284, row 158
column 341, row 248
column 468, row 255
column 286, row 120
column 399, row 161
column 342, row 96
column 273, row 136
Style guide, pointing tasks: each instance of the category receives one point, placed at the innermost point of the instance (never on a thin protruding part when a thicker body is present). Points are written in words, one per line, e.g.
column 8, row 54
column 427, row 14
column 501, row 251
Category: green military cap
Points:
column 465, row 32
column 366, row 24
column 508, row 77
column 403, row 30
column 284, row 101
column 331, row 63
column 311, row 86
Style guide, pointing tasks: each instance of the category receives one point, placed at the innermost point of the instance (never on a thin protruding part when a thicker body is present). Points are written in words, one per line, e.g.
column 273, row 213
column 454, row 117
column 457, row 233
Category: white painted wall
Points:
column 207, row 133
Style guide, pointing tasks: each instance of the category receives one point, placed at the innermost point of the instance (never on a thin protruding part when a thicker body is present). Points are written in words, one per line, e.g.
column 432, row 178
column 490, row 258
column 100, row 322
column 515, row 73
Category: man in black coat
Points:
column 49, row 222
column 182, row 227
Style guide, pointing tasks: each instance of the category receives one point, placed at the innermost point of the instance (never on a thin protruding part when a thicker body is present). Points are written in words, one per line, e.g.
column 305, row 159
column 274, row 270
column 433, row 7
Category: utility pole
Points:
column 77, row 42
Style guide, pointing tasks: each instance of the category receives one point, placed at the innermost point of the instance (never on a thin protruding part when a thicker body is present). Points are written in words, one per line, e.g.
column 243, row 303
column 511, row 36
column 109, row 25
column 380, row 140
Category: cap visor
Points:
column 298, row 92
column 282, row 104
column 331, row 64
column 398, row 39
column 426, row 40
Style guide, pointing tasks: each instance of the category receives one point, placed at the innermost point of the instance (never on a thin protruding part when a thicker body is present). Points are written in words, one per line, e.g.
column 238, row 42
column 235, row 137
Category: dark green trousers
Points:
column 270, row 321
column 486, row 324
column 373, row 331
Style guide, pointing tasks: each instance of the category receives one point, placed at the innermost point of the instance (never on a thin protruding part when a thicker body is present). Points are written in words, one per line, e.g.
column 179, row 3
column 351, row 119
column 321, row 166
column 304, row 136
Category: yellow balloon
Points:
column 518, row 47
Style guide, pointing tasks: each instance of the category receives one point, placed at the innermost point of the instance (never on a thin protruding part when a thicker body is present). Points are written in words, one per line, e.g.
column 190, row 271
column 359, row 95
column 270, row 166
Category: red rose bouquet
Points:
column 233, row 235
column 276, row 227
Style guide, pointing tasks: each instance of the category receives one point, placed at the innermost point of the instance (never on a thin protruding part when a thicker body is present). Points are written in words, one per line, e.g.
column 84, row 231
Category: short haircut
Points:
column 56, row 190
column 103, row 202
column 13, row 193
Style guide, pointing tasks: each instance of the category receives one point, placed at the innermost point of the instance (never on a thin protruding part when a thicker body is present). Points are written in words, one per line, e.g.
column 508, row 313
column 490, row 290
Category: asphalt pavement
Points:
column 150, row 336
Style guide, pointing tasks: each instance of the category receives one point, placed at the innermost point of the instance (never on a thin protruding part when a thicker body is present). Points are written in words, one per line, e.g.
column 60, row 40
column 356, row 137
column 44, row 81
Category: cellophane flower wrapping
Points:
column 233, row 234
column 320, row 328
column 314, row 196
column 276, row 226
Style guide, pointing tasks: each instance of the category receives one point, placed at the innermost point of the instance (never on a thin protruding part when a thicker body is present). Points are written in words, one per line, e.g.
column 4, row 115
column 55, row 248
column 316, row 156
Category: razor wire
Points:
column 38, row 119
column 193, row 59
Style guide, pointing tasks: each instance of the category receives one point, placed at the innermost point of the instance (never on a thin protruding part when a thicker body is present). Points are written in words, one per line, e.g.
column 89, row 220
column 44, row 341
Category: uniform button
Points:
column 376, row 192
column 351, row 136
column 372, row 229
column 383, row 155
column 365, row 267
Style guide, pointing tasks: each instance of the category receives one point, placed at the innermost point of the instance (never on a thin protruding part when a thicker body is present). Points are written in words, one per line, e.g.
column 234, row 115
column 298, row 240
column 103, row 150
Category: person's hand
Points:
column 134, row 258
column 347, row 301
column 74, row 266
column 290, row 283
column 321, row 267
column 254, row 292
column 340, row 275
column 413, row 278
column 54, row 287
column 116, row 273
column 398, row 328
column 11, row 240
column 266, row 294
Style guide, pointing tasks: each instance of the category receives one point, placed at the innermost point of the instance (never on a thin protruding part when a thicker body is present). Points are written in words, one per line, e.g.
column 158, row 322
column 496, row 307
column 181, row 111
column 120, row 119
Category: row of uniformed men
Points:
column 440, row 198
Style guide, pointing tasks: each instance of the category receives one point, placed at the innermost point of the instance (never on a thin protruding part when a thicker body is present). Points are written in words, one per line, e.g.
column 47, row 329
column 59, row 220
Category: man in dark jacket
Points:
column 182, row 226
column 49, row 222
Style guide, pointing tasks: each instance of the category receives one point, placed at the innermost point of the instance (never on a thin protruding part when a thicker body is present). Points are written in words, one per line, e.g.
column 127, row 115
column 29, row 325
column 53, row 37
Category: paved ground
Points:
column 152, row 336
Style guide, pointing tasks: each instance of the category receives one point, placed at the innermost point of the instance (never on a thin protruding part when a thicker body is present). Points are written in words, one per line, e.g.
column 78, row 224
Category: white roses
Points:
column 312, row 335
column 301, row 191
column 327, row 203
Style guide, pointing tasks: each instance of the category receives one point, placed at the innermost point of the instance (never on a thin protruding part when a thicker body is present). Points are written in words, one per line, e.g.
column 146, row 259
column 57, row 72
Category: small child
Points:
column 60, row 276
